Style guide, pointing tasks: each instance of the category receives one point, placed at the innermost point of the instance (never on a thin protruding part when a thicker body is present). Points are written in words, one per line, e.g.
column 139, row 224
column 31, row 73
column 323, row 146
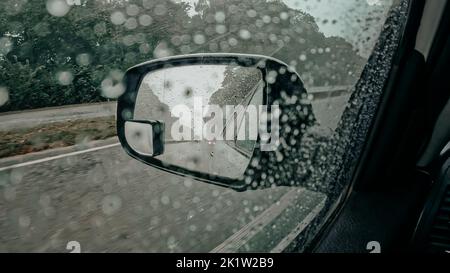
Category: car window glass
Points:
column 64, row 177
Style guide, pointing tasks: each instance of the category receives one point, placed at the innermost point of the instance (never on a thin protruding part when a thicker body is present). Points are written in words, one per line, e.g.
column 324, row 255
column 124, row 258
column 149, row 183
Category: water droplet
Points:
column 112, row 86
column 244, row 34
column 221, row 29
column 64, row 77
column 132, row 10
column 5, row 45
column 24, row 221
column 131, row 23
column 165, row 199
column 199, row 39
column 117, row 18
column 145, row 20
column 251, row 13
column 219, row 17
column 4, row 95
column 83, row 59
column 162, row 50
column 111, row 204
column 57, row 8
column 160, row 10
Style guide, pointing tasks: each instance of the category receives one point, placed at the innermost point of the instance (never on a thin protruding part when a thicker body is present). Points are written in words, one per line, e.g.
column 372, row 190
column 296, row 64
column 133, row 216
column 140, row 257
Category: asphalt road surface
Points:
column 109, row 202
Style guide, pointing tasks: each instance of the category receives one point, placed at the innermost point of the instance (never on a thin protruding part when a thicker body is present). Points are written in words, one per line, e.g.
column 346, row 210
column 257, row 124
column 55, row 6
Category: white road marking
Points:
column 19, row 165
column 239, row 238
column 246, row 232
column 283, row 244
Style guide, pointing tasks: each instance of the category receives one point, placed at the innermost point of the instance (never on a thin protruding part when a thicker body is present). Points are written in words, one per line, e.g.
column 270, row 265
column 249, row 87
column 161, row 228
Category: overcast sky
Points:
column 345, row 14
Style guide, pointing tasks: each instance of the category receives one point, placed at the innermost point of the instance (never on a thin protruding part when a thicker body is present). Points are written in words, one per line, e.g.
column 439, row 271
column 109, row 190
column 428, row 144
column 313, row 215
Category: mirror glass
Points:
column 210, row 116
column 146, row 137
column 139, row 137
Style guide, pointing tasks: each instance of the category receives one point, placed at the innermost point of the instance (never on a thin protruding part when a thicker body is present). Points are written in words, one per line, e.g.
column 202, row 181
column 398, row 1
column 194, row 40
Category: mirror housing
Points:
column 282, row 88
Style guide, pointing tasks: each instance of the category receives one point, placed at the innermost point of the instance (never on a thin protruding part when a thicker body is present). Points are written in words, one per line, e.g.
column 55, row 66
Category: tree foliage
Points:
column 64, row 60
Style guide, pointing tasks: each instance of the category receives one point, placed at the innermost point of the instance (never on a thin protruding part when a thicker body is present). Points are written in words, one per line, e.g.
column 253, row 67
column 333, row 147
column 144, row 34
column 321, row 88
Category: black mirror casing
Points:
column 281, row 86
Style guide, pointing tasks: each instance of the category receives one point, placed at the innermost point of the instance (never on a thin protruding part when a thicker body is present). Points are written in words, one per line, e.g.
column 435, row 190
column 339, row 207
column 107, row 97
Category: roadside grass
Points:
column 55, row 135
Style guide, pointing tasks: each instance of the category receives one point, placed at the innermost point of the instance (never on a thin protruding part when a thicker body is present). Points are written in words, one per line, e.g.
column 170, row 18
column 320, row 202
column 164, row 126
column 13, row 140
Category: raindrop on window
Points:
column 145, row 20
column 64, row 77
column 4, row 95
column 5, row 45
column 57, row 8
column 117, row 18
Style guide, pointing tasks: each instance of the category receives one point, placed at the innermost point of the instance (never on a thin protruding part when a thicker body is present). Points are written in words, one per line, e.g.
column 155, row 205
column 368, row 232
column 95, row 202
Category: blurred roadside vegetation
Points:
column 56, row 135
column 48, row 60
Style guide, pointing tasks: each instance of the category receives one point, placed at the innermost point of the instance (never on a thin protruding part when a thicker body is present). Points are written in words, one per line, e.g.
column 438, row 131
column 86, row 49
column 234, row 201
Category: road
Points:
column 109, row 202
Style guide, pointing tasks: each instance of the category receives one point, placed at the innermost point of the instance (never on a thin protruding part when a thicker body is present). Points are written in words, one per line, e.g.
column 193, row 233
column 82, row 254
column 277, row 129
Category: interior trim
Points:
column 440, row 136
column 429, row 25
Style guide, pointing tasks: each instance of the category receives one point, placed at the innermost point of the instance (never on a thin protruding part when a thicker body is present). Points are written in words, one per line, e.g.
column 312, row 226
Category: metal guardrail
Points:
column 31, row 118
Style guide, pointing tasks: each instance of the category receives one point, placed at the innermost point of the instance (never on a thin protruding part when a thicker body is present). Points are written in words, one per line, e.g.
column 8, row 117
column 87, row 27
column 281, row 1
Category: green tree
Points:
column 64, row 60
column 272, row 28
column 84, row 44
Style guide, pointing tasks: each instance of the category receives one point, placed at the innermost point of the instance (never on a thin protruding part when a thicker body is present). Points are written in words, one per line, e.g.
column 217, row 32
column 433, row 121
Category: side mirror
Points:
column 225, row 119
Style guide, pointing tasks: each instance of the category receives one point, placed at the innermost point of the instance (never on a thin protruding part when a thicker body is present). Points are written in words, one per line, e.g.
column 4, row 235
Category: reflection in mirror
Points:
column 210, row 114
column 147, row 138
